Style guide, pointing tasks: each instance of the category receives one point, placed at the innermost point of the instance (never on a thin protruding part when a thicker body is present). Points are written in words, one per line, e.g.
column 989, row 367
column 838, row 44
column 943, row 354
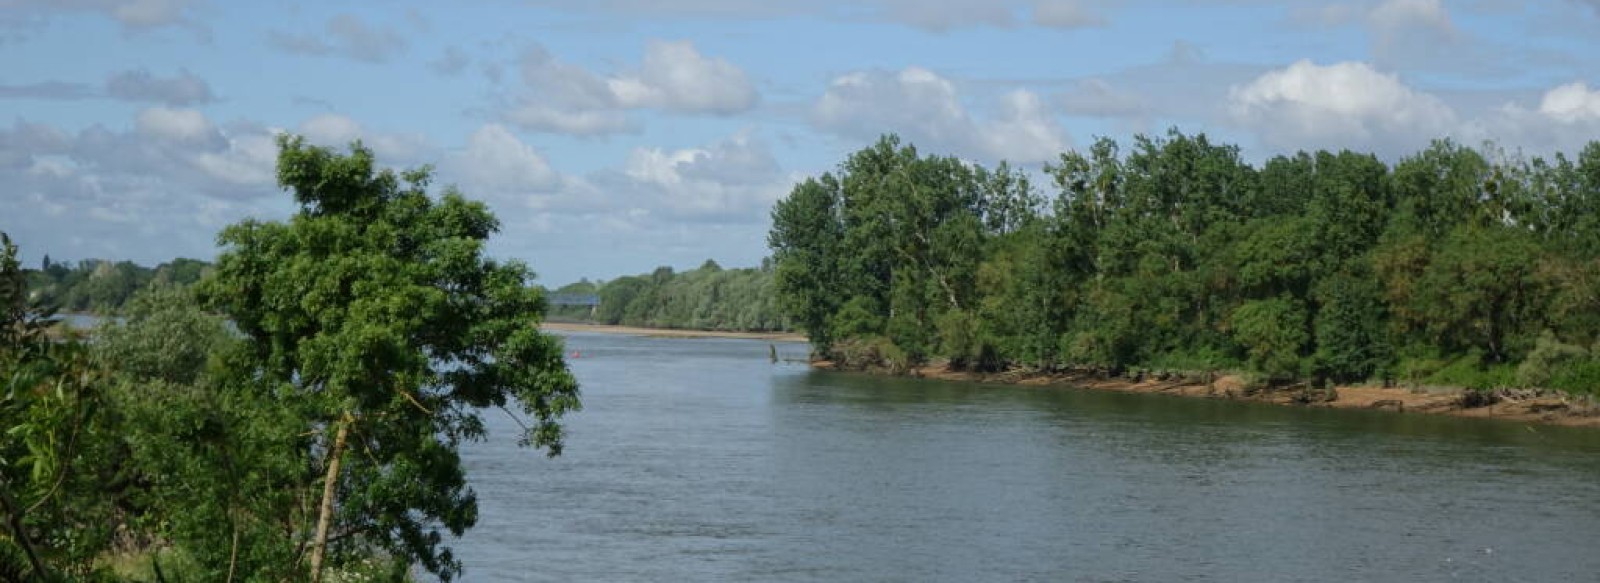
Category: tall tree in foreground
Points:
column 373, row 314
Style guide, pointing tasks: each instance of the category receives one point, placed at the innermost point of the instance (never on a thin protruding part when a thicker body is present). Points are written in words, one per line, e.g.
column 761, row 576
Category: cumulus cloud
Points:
column 734, row 180
column 926, row 109
column 344, row 36
column 1413, row 35
column 498, row 164
column 676, row 77
column 156, row 190
column 338, row 131
column 560, row 97
column 176, row 125
column 1572, row 103
column 1565, row 118
column 1347, row 104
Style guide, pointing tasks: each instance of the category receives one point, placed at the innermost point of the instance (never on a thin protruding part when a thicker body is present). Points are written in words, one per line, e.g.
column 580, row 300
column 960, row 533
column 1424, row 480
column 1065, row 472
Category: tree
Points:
column 55, row 517
column 373, row 316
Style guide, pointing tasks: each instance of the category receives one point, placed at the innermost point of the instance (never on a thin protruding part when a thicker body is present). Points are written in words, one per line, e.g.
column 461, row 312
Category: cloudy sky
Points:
column 612, row 136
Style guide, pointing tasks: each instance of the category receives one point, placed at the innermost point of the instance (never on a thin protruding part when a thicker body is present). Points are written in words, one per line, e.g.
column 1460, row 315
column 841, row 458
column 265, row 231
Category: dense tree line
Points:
column 294, row 413
column 1452, row 266
column 706, row 298
column 101, row 286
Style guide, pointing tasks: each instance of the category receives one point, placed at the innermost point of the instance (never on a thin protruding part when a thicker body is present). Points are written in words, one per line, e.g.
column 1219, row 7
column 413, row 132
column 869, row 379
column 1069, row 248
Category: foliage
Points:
column 104, row 287
column 56, row 514
column 706, row 298
column 1173, row 251
column 372, row 314
column 296, row 411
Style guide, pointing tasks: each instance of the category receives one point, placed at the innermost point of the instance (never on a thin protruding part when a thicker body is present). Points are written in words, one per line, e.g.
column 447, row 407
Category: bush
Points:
column 1470, row 372
column 1548, row 356
column 1577, row 376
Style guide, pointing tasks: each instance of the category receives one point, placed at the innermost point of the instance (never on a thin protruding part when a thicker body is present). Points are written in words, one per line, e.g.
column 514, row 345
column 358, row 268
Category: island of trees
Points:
column 1454, row 266
column 706, row 298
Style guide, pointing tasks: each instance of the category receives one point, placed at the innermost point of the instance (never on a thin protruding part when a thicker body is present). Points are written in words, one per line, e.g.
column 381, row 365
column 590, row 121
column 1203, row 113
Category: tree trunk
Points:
column 330, row 485
column 19, row 532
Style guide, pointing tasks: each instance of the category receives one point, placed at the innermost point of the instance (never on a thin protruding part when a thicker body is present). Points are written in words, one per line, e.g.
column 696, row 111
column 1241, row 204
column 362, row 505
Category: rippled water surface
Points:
column 699, row 460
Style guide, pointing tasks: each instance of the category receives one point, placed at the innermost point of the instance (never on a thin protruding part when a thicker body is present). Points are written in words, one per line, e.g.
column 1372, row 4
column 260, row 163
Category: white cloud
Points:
column 560, row 97
column 1565, row 118
column 1346, row 104
column 338, row 131
column 540, row 117
column 330, row 129
column 676, row 77
column 149, row 192
column 179, row 125
column 926, row 109
column 1026, row 130
column 497, row 163
column 734, row 181
column 248, row 161
column 1571, row 103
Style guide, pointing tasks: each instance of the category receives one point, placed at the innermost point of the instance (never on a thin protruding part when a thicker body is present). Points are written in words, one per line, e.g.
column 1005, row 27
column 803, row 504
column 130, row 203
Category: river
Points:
column 700, row 460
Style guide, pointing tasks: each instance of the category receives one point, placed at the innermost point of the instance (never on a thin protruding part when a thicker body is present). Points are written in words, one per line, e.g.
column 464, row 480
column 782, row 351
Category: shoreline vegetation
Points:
column 1312, row 276
column 1545, row 407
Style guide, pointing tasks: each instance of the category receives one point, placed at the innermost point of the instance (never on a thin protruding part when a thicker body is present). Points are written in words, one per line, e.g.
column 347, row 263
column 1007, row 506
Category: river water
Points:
column 700, row 460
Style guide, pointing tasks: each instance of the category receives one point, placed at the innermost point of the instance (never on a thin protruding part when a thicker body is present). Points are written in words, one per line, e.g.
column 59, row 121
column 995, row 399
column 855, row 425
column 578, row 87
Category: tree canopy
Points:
column 296, row 411
column 1176, row 253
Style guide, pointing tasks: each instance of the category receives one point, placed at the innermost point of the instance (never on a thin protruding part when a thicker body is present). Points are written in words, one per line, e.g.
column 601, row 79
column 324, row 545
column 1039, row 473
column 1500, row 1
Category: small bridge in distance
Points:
column 573, row 300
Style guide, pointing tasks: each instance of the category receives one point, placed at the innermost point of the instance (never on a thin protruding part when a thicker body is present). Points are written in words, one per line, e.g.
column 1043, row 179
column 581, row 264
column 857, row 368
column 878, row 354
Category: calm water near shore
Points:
column 698, row 460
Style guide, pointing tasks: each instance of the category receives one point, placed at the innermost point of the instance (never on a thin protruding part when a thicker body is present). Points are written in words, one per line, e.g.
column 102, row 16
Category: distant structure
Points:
column 591, row 300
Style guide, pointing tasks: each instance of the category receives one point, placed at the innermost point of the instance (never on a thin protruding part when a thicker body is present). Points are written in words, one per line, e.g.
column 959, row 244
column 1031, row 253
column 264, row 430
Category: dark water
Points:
column 698, row 460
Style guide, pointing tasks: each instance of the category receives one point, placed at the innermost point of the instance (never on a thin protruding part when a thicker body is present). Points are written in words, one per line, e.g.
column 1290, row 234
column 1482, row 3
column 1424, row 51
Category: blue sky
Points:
column 612, row 136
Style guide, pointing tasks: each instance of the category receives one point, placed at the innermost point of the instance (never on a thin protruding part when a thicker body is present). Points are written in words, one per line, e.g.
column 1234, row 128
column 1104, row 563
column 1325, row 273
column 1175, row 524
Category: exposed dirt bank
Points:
column 1522, row 406
column 670, row 333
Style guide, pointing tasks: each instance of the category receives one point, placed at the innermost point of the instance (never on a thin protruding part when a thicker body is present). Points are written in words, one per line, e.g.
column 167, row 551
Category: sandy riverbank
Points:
column 670, row 333
column 1549, row 409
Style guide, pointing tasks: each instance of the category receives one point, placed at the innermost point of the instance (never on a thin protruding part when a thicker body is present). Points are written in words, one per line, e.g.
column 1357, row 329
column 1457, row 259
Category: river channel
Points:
column 701, row 460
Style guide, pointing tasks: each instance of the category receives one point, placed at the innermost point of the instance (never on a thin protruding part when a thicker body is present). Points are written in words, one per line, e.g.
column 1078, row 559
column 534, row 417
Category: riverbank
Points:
column 1520, row 406
column 670, row 333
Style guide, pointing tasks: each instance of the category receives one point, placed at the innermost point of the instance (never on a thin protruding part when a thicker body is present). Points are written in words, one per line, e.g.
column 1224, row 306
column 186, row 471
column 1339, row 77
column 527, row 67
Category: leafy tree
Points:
column 373, row 316
column 56, row 516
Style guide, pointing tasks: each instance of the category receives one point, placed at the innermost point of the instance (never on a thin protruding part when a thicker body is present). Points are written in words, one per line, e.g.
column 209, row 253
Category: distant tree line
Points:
column 706, row 298
column 1454, row 266
column 101, row 286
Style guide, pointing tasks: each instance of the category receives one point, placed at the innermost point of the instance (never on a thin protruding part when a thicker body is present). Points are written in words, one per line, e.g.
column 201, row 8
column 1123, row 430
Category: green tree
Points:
column 57, row 518
column 373, row 315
